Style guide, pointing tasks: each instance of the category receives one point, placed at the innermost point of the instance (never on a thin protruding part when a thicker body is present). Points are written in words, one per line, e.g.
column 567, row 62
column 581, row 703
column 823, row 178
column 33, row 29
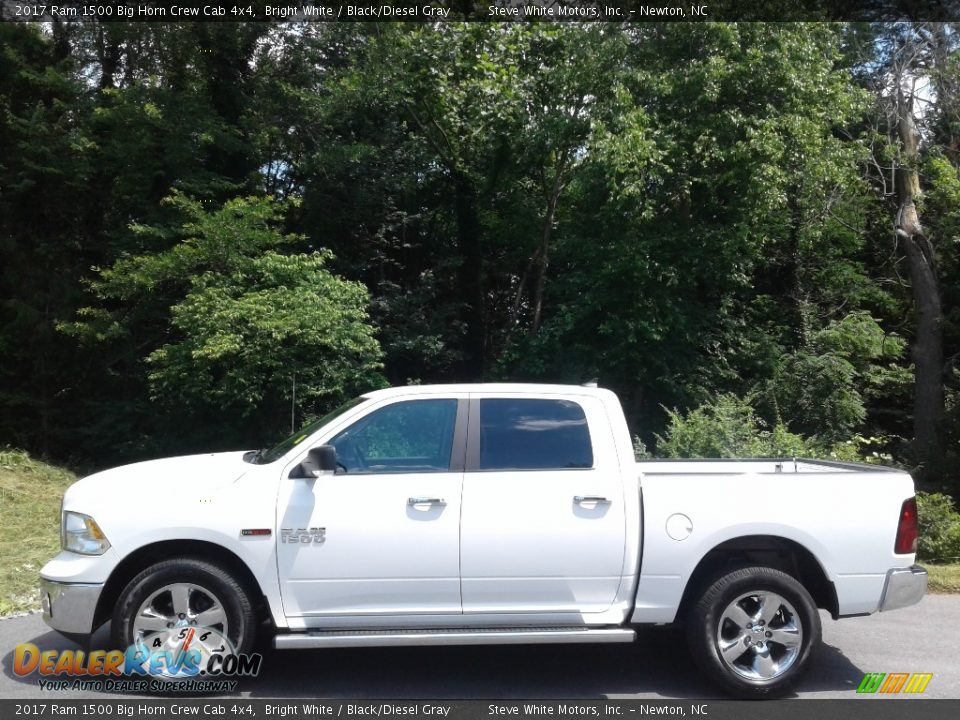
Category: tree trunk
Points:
column 108, row 53
column 540, row 259
column 796, row 295
column 470, row 278
column 928, row 401
column 543, row 261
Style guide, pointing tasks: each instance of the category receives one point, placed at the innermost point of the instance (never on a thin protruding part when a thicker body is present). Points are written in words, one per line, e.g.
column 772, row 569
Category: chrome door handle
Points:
column 579, row 499
column 426, row 501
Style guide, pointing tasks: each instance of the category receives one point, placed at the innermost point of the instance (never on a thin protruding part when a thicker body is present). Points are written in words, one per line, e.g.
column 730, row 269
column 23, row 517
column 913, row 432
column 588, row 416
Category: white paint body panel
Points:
column 381, row 556
column 527, row 546
column 199, row 497
column 846, row 518
column 508, row 549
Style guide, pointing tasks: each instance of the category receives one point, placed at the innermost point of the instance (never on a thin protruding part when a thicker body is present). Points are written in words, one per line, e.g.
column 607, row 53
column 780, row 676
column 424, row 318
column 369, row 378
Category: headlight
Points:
column 80, row 533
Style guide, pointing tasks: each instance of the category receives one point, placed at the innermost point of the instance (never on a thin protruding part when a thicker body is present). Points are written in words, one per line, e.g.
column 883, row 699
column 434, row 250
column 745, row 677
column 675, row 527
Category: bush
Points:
column 727, row 427
column 939, row 527
column 640, row 450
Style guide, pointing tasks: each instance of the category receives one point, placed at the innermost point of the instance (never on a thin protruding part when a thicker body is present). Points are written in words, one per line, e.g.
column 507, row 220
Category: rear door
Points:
column 542, row 522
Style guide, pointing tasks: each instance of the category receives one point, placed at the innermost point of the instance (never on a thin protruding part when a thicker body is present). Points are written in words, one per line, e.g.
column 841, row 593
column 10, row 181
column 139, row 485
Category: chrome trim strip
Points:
column 522, row 636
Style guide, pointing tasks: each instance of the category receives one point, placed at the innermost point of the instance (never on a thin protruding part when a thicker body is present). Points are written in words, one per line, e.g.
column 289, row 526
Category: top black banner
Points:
column 484, row 11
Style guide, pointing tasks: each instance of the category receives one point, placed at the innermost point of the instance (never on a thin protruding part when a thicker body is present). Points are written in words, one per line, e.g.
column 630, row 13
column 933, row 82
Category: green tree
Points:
column 245, row 320
column 717, row 223
column 911, row 70
column 570, row 83
column 374, row 188
column 45, row 170
column 822, row 387
column 681, row 211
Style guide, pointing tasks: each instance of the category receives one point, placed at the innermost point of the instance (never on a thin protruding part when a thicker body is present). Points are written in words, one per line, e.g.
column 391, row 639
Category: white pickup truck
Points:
column 485, row 514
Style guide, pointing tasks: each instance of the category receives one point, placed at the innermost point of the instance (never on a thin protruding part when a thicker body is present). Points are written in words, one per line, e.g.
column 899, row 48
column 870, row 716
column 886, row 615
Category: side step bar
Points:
column 451, row 636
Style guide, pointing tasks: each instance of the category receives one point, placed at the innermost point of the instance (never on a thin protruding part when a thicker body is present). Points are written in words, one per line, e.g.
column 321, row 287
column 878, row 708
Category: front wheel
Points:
column 753, row 631
column 177, row 602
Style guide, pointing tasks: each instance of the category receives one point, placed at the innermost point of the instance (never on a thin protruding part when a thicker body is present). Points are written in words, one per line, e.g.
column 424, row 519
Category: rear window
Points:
column 525, row 434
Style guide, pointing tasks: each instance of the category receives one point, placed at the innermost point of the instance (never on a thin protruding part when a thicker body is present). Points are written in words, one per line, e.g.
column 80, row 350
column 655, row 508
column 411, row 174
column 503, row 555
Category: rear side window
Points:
column 526, row 434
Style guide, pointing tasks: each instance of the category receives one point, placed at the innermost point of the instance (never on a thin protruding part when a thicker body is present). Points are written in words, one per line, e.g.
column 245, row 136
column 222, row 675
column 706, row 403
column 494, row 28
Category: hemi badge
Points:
column 255, row 531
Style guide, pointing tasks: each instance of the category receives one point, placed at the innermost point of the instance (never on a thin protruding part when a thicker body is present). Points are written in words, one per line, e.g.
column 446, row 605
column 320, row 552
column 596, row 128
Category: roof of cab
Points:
column 519, row 388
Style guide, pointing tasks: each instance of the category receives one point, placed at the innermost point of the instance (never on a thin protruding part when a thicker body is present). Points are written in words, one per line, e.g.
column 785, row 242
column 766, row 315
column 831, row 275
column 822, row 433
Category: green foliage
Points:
column 686, row 212
column 245, row 319
column 821, row 386
column 939, row 528
column 45, row 166
column 275, row 317
column 727, row 427
column 712, row 230
column 640, row 450
column 942, row 205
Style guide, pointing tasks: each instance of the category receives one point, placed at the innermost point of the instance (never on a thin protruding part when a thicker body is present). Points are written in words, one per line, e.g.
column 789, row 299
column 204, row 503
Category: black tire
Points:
column 766, row 668
column 234, row 597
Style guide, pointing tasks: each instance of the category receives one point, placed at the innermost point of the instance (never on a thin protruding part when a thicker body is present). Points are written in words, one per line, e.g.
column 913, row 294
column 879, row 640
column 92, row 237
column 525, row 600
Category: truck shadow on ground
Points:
column 657, row 663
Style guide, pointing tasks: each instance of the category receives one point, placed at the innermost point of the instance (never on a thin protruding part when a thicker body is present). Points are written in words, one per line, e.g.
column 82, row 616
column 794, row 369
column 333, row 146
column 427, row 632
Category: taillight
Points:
column 907, row 530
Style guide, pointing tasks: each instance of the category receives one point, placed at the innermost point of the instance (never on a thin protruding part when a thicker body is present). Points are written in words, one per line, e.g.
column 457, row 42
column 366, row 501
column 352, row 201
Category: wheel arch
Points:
column 145, row 556
column 772, row 551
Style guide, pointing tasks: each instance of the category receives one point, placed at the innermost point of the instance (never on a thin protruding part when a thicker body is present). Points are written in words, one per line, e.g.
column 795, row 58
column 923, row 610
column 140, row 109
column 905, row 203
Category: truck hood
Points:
column 187, row 475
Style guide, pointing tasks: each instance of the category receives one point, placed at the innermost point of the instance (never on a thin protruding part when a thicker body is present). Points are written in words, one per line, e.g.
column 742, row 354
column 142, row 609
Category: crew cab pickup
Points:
column 485, row 514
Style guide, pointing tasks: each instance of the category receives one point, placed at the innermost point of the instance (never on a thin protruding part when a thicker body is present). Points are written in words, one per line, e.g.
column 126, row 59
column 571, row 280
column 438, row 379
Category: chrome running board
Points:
column 451, row 636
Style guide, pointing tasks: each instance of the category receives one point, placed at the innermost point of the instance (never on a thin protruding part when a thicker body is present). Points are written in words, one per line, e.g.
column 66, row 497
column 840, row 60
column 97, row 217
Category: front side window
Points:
column 525, row 434
column 411, row 436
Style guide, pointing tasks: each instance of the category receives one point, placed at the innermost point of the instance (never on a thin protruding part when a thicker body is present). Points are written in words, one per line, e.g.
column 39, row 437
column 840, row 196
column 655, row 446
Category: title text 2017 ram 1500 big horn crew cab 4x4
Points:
column 472, row 514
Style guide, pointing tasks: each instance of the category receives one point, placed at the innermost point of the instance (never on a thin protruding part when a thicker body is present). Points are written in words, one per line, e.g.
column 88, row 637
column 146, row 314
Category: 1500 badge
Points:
column 314, row 535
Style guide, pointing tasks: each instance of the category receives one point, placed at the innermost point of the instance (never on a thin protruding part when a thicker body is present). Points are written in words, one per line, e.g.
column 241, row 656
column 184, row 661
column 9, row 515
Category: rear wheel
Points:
column 753, row 632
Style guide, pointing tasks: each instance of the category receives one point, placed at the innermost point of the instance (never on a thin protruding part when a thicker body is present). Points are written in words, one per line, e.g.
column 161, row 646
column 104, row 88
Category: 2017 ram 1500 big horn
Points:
column 485, row 514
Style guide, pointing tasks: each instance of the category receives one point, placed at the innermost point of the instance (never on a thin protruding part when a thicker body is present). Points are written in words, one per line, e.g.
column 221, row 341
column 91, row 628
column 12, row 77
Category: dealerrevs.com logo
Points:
column 193, row 659
column 893, row 683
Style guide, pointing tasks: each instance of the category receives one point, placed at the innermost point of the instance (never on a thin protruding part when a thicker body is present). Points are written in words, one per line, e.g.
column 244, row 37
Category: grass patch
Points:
column 943, row 578
column 30, row 494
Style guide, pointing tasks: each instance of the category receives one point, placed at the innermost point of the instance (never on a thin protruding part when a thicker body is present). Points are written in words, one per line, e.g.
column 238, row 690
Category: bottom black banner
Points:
column 874, row 708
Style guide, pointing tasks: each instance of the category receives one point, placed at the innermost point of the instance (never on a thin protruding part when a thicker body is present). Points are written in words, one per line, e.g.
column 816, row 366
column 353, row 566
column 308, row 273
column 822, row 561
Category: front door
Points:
column 380, row 537
column 543, row 526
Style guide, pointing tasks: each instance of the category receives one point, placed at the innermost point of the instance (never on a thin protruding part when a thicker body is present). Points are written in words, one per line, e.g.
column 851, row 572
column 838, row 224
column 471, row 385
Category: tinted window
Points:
column 411, row 436
column 533, row 435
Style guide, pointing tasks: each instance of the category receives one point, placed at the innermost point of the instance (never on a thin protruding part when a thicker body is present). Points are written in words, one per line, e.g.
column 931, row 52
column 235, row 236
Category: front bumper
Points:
column 69, row 607
column 904, row 587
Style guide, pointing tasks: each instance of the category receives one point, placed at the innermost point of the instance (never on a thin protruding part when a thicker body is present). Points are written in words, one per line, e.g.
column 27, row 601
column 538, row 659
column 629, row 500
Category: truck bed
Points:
column 844, row 514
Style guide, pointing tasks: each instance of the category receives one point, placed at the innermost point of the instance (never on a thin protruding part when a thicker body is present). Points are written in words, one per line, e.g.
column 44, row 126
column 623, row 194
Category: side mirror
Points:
column 320, row 461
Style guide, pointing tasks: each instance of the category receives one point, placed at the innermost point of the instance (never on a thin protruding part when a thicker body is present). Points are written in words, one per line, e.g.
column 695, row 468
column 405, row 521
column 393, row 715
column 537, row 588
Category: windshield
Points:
column 281, row 448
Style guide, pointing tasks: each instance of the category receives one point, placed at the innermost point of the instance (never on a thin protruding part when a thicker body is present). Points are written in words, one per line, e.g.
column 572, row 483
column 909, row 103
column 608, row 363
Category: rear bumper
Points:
column 69, row 607
column 904, row 587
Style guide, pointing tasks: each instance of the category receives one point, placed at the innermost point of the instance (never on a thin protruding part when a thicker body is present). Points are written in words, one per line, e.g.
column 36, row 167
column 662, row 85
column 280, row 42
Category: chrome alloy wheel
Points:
column 759, row 636
column 178, row 606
